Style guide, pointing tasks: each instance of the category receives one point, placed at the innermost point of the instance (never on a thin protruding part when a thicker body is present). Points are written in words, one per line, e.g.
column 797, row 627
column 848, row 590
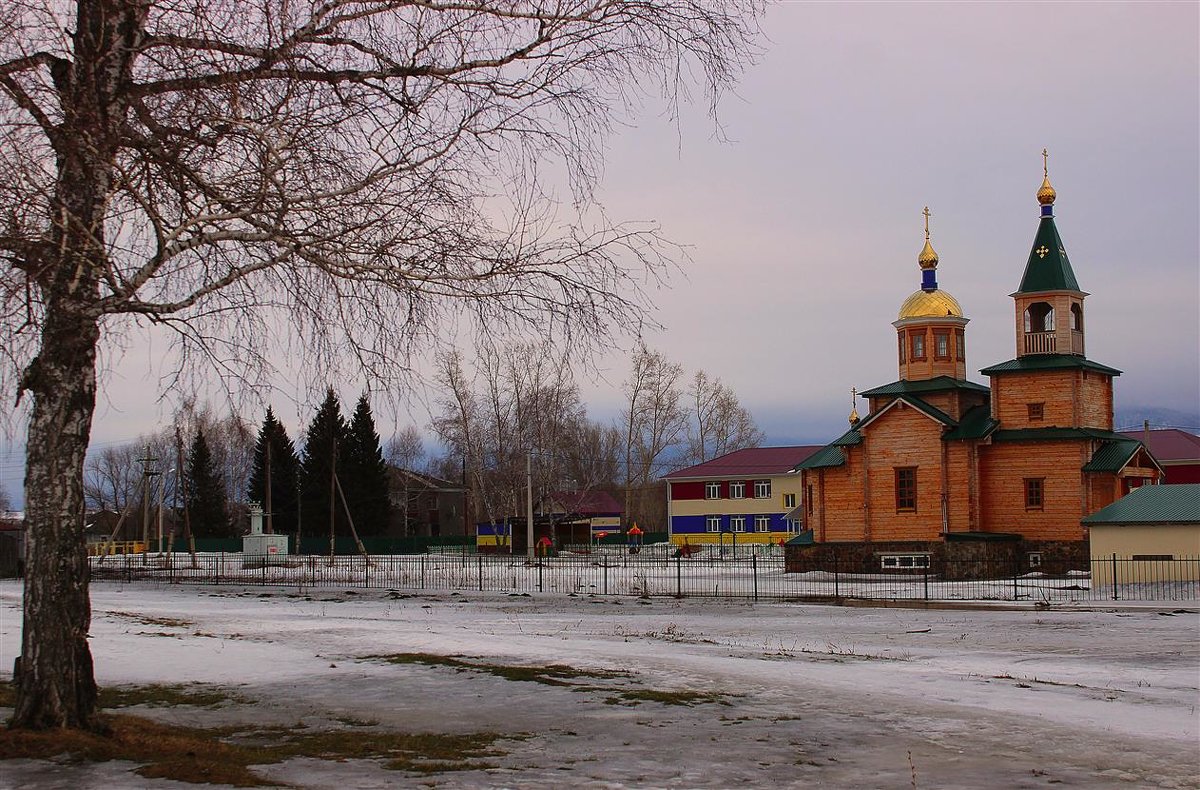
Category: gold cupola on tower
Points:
column 930, row 301
column 1046, row 193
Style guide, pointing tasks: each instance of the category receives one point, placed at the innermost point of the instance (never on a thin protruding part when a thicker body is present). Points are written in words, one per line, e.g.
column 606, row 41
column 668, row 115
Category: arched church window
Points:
column 1077, row 317
column 1039, row 317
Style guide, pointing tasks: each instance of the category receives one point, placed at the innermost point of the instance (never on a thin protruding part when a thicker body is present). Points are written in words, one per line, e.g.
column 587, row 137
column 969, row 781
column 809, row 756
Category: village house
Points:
column 749, row 496
column 950, row 475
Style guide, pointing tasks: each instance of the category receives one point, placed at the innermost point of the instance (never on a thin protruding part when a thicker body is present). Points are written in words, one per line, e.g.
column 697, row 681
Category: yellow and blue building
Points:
column 748, row 496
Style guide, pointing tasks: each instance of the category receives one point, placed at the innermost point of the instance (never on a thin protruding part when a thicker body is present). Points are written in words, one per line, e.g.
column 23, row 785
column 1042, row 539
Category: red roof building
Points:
column 746, row 495
column 1177, row 451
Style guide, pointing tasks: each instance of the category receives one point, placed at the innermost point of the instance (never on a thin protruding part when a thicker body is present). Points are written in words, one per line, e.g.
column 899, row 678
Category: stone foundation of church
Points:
column 974, row 556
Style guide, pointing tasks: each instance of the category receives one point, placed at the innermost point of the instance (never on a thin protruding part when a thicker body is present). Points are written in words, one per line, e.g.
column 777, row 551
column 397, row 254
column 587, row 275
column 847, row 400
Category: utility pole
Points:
column 147, row 473
column 529, row 505
column 181, row 491
column 332, row 495
column 267, row 497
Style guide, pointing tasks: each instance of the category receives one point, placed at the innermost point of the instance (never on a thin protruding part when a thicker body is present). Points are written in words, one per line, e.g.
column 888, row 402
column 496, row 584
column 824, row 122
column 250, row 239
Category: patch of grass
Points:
column 686, row 698
column 550, row 674
column 162, row 622
column 167, row 695
column 224, row 755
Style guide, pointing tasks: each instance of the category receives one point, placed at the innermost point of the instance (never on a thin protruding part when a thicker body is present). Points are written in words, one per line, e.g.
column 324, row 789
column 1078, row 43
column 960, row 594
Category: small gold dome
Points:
column 928, row 259
column 930, row 304
column 854, row 418
column 1046, row 194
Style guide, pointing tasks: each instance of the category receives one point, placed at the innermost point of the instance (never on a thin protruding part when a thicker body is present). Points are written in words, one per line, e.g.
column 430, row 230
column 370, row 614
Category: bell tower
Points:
column 1049, row 304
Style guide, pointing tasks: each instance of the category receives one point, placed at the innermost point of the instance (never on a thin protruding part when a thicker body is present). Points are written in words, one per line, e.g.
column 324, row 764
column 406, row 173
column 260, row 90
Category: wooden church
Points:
column 946, row 474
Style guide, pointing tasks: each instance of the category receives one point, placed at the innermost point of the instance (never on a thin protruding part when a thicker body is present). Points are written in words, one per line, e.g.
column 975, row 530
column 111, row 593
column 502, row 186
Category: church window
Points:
column 737, row 489
column 808, row 499
column 900, row 344
column 1077, row 317
column 917, row 341
column 941, row 345
column 712, row 490
column 960, row 345
column 712, row 523
column 906, row 488
column 1036, row 410
column 762, row 489
column 896, row 561
column 1035, row 490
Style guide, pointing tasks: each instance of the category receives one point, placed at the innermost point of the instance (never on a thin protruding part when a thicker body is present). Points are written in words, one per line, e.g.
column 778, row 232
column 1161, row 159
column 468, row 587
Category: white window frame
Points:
column 762, row 523
column 737, row 523
column 762, row 489
column 712, row 490
column 793, row 526
column 712, row 523
column 737, row 489
column 903, row 562
column 789, row 501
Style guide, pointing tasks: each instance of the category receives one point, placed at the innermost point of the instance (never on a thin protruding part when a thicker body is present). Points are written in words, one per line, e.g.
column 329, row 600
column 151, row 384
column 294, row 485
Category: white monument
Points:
column 257, row 544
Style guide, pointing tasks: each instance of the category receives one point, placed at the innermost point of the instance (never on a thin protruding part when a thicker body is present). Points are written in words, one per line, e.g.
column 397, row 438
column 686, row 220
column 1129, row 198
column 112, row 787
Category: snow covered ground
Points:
column 784, row 694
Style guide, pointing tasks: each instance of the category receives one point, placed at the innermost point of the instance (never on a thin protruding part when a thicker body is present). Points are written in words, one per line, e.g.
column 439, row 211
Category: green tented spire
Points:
column 1048, row 268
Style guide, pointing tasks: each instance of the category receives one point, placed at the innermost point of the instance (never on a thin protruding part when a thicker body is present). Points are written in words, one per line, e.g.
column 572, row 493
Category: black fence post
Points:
column 422, row 573
column 1016, row 569
column 604, row 572
column 754, row 569
column 836, row 588
column 679, row 577
column 479, row 562
column 540, row 563
column 1116, row 592
column 926, row 582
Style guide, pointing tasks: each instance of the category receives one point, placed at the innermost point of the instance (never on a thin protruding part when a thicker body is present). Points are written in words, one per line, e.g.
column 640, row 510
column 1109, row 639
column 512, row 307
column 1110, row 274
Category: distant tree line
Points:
column 494, row 414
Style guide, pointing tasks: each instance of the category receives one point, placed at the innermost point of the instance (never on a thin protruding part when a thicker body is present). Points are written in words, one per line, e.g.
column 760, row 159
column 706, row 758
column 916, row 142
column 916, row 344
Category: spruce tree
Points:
column 366, row 476
column 206, row 493
column 326, row 437
column 284, row 473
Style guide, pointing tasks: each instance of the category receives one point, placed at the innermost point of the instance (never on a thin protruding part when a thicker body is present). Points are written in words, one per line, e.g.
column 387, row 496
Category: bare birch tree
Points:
column 718, row 423
column 338, row 175
column 653, row 420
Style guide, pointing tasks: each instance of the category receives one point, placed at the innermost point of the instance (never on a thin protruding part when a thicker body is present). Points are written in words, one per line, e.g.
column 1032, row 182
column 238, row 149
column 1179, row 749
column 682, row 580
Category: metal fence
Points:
column 759, row 577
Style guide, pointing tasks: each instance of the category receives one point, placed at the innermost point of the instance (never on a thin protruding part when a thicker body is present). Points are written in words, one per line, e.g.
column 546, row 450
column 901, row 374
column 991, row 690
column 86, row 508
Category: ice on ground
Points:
column 783, row 694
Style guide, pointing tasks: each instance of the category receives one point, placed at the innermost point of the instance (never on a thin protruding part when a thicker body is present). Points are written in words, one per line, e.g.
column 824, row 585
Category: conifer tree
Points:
column 284, row 475
column 325, row 439
column 366, row 477
column 206, row 493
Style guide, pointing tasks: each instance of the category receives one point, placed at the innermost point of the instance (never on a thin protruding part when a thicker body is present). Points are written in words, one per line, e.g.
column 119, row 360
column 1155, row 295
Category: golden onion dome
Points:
column 928, row 259
column 1046, row 194
column 930, row 304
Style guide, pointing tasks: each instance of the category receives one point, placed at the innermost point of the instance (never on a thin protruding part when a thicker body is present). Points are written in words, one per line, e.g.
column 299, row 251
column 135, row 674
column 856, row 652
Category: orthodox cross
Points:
column 1045, row 163
column 926, row 213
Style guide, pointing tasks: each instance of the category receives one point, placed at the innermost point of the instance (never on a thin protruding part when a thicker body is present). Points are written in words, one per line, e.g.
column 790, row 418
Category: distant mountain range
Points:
column 1131, row 419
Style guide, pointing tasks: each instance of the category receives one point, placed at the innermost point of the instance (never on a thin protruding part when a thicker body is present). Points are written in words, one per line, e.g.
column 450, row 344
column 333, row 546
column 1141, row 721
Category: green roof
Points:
column 848, row 439
column 976, row 423
column 1048, row 268
column 1112, row 456
column 804, row 538
column 936, row 384
column 1048, row 362
column 830, row 455
column 1166, row 504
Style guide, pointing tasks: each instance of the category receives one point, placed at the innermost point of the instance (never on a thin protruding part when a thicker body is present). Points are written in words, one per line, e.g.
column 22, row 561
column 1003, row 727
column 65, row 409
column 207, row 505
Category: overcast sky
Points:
column 805, row 224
